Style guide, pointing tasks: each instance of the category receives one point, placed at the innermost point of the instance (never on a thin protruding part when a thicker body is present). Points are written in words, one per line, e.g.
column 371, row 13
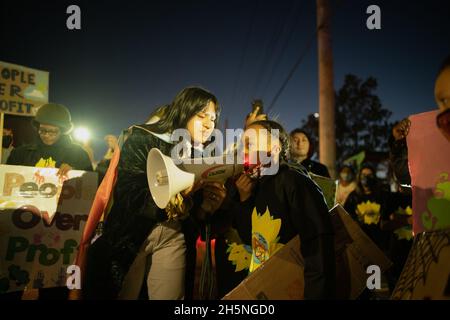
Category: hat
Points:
column 55, row 115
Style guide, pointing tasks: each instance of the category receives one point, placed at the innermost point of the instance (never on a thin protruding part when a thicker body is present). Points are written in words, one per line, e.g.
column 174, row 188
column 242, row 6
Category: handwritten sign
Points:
column 41, row 222
column 22, row 90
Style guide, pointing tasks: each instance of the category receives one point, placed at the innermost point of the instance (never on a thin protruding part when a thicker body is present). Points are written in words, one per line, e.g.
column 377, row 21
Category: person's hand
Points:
column 214, row 194
column 63, row 170
column 192, row 189
column 254, row 116
column 245, row 186
column 401, row 129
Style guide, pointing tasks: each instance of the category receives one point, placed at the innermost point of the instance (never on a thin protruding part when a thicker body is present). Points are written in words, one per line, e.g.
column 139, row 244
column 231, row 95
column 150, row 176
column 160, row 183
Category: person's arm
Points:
column 309, row 214
column 398, row 151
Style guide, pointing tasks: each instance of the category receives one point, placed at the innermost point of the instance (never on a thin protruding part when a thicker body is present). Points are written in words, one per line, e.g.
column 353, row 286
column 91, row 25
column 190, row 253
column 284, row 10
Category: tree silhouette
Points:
column 361, row 121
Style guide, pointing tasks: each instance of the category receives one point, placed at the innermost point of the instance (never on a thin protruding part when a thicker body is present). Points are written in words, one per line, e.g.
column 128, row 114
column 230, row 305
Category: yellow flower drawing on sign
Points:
column 368, row 212
column 46, row 163
column 265, row 232
column 406, row 231
column 240, row 255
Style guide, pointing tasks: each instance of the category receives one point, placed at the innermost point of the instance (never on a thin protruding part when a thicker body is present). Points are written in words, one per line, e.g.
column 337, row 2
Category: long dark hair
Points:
column 186, row 104
column 283, row 136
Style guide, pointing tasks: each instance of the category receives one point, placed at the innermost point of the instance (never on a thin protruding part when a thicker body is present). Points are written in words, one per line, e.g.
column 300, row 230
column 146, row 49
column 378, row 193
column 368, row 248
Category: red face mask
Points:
column 443, row 123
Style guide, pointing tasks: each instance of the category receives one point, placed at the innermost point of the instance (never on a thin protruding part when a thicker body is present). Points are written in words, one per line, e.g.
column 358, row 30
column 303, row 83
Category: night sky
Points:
column 131, row 56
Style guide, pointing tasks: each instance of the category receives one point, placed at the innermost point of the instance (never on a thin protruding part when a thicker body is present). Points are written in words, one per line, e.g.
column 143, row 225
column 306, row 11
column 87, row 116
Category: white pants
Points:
column 162, row 260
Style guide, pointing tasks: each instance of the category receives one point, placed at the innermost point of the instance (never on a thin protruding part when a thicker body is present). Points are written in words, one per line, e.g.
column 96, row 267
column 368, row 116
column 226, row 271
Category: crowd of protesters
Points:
column 145, row 252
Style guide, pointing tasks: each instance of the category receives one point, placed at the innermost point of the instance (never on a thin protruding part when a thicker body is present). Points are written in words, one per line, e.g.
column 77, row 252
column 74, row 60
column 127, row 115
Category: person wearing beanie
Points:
column 301, row 151
column 54, row 148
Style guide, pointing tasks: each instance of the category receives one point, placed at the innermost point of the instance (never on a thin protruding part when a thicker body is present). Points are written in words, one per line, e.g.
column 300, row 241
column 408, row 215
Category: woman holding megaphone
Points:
column 142, row 252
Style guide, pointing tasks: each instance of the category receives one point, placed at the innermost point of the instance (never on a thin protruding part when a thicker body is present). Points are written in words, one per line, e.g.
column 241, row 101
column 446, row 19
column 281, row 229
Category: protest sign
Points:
column 41, row 222
column 22, row 89
column 429, row 166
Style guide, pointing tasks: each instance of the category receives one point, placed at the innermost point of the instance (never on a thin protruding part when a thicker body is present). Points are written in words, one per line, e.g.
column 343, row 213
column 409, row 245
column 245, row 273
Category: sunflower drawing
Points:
column 368, row 212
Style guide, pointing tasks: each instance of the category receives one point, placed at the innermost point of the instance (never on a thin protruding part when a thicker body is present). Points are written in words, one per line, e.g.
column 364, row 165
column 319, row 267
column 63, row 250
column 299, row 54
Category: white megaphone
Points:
column 165, row 179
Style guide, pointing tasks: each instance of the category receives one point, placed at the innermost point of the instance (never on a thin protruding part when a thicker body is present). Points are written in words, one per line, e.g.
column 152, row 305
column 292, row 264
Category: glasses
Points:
column 49, row 132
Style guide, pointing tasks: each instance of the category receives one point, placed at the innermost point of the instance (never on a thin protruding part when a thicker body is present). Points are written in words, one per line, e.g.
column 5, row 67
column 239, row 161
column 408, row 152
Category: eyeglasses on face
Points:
column 49, row 132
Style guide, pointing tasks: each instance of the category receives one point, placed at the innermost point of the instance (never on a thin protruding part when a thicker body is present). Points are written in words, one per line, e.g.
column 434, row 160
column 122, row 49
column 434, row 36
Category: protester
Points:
column 366, row 205
column 54, row 147
column 142, row 252
column 397, row 142
column 346, row 185
column 273, row 206
column 302, row 150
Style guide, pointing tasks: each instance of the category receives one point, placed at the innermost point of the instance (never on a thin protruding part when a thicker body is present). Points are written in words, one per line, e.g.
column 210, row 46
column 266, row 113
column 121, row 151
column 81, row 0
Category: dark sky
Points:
column 133, row 55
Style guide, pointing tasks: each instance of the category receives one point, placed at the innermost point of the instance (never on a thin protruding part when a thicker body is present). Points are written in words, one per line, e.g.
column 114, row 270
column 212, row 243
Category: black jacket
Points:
column 295, row 199
column 315, row 167
column 63, row 151
column 130, row 220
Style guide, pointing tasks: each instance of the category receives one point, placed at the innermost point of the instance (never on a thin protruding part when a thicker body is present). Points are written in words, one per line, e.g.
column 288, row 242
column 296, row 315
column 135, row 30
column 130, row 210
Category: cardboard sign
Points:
column 426, row 274
column 281, row 277
column 22, row 89
column 41, row 223
column 429, row 166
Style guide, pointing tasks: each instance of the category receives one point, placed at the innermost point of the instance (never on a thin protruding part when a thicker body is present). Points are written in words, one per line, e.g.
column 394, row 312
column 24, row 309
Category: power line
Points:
column 268, row 50
column 293, row 69
column 286, row 43
column 244, row 52
column 339, row 4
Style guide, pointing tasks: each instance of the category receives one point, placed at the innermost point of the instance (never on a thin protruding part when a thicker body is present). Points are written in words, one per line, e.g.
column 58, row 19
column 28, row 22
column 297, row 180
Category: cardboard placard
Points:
column 429, row 166
column 281, row 277
column 426, row 274
column 22, row 89
column 41, row 223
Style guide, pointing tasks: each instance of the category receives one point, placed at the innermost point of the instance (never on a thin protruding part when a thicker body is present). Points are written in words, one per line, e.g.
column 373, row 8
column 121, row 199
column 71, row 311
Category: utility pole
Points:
column 327, row 136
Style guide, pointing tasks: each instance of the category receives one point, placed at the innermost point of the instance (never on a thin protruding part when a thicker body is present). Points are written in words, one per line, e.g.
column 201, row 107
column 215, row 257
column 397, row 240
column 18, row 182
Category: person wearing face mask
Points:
column 273, row 205
column 366, row 205
column 346, row 184
column 7, row 144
